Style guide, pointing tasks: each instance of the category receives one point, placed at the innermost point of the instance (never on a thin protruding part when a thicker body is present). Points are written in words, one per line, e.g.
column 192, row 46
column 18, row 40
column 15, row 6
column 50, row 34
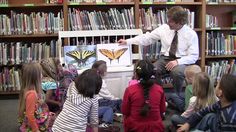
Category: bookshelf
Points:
column 201, row 8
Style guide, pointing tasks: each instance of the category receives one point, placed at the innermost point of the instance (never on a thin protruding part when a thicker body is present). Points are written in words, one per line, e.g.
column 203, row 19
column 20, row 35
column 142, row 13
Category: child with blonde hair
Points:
column 219, row 117
column 181, row 101
column 203, row 96
column 33, row 113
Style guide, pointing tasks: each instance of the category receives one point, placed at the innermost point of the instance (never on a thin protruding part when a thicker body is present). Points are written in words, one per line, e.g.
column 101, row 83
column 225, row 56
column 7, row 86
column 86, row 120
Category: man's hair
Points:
column 178, row 15
column 228, row 87
column 88, row 83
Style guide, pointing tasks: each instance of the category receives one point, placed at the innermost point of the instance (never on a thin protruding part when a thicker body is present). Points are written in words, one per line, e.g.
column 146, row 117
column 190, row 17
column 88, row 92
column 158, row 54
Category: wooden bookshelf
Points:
column 200, row 7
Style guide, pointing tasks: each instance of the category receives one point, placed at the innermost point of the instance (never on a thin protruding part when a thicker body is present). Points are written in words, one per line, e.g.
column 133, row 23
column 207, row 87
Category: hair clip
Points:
column 138, row 68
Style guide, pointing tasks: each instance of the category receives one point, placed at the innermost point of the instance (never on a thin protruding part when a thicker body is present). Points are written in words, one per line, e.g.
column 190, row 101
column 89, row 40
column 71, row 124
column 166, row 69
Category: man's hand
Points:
column 122, row 42
column 171, row 64
column 184, row 128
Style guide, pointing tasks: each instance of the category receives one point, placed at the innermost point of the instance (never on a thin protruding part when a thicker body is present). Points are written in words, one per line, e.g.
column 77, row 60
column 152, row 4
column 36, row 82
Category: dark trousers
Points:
column 177, row 73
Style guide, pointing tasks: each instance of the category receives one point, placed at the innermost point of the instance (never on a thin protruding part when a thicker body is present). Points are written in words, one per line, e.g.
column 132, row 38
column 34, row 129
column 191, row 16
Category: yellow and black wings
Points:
column 80, row 56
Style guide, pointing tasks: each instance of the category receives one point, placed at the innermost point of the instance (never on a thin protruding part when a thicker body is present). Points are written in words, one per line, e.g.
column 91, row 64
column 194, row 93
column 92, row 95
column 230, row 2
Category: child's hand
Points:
column 183, row 127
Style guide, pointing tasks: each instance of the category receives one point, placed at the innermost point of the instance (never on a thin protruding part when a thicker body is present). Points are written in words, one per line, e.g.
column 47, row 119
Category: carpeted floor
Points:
column 8, row 116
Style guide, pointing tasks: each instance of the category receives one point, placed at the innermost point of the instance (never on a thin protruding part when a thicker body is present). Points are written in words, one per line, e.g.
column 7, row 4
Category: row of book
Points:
column 54, row 1
column 148, row 20
column 211, row 21
column 18, row 53
column 106, row 1
column 33, row 23
column 98, row 20
column 4, row 2
column 167, row 1
column 220, row 1
column 219, row 44
column 10, row 80
column 151, row 52
column 218, row 68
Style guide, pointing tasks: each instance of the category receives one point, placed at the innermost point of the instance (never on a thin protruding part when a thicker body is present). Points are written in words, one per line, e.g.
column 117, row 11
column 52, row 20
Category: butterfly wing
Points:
column 108, row 53
column 74, row 54
column 86, row 54
column 118, row 53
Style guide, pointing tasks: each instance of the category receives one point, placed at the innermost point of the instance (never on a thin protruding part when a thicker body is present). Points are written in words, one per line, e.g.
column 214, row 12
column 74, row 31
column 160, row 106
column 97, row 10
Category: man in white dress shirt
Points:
column 186, row 52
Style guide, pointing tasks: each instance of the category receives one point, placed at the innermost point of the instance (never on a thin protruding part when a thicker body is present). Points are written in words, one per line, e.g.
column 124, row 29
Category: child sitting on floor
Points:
column 220, row 116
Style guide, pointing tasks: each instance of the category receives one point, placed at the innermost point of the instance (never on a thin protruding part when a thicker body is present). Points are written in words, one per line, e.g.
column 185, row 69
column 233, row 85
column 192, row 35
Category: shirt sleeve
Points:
column 196, row 117
column 31, row 100
column 190, row 108
column 94, row 112
column 105, row 93
column 192, row 51
column 125, row 107
column 188, row 95
column 145, row 39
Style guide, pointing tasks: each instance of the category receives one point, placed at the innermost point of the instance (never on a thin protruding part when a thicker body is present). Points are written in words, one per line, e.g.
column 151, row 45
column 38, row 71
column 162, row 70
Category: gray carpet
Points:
column 8, row 115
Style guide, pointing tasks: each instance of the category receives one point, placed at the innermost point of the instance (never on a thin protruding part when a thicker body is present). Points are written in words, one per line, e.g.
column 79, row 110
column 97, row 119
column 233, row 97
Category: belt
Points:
column 169, row 58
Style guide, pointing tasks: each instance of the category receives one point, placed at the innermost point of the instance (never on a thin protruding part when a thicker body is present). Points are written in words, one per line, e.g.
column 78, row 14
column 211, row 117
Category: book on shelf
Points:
column 219, row 44
column 98, row 20
column 234, row 18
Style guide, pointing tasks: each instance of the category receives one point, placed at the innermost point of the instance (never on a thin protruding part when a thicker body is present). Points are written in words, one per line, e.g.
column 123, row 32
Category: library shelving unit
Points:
column 220, row 41
column 223, row 12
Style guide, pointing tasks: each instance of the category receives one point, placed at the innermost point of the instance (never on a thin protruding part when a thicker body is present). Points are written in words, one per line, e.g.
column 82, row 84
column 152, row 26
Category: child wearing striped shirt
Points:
column 81, row 105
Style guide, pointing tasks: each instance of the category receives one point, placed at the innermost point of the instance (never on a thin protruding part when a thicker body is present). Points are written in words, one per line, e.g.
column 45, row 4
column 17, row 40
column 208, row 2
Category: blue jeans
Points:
column 114, row 104
column 208, row 123
column 177, row 100
column 178, row 119
column 106, row 113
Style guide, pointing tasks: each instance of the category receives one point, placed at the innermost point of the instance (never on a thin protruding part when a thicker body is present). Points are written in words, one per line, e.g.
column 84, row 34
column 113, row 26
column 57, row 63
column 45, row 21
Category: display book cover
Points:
column 83, row 56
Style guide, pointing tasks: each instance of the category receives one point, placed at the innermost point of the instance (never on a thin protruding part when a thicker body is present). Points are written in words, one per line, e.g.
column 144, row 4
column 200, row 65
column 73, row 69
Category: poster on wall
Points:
column 114, row 54
column 81, row 56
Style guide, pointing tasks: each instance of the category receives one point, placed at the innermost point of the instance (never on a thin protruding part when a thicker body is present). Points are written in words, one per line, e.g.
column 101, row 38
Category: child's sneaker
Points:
column 104, row 125
column 118, row 117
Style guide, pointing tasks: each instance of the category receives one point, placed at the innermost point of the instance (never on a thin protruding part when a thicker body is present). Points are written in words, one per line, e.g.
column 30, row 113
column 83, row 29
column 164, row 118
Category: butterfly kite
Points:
column 113, row 54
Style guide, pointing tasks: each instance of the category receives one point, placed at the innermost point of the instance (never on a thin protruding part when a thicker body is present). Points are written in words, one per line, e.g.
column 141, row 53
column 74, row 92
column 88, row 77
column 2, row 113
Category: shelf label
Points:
column 212, row 3
column 28, row 4
column 233, row 28
column 147, row 2
column 170, row 3
column 101, row 3
column 215, row 28
column 3, row 5
column 74, row 3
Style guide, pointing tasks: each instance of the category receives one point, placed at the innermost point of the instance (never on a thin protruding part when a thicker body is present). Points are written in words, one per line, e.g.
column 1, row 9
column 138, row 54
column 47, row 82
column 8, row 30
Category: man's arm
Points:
column 144, row 39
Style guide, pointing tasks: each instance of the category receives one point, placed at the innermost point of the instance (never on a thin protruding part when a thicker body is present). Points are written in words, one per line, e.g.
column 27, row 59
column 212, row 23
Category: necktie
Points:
column 173, row 47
